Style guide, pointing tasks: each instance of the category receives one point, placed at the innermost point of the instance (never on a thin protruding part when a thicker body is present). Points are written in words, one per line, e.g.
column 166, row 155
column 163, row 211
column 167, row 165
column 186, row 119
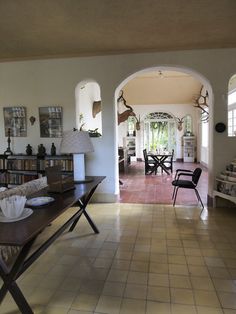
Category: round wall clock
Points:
column 220, row 127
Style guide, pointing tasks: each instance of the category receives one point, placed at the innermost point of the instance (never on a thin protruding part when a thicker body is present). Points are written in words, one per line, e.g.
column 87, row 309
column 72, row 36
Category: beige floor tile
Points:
column 141, row 256
column 192, row 251
column 209, row 310
column 177, row 259
column 232, row 272
column 198, row 270
column 120, row 264
column 160, row 294
column 176, row 269
column 41, row 296
column 190, row 244
column 229, row 311
column 227, row 300
column 230, row 262
column 177, row 281
column 195, row 260
column 130, row 306
column 80, row 312
column 62, row 299
column 202, row 283
column 158, row 268
column 158, row 280
column 123, row 255
column 137, row 277
column 115, row 289
column 220, row 272
column 225, row 285
column 102, row 262
column 117, row 275
column 68, row 260
column 135, row 291
column 214, row 261
column 71, row 284
column 159, row 258
column 93, row 274
column 106, row 253
column 206, row 298
column 210, row 253
column 109, row 305
column 175, row 250
column 139, row 266
column 157, row 307
column 182, row 296
column 51, row 310
column 174, row 242
column 85, row 302
column 92, row 286
column 183, row 309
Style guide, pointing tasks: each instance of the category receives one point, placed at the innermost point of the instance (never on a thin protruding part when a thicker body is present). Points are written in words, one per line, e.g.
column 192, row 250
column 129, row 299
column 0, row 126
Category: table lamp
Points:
column 77, row 143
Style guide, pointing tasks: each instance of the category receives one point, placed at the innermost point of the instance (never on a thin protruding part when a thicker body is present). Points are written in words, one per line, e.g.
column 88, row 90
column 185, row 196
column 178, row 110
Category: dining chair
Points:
column 169, row 162
column 187, row 184
column 149, row 164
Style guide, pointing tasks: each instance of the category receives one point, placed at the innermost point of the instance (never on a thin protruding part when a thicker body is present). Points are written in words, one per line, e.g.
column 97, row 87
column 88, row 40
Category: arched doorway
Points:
column 181, row 115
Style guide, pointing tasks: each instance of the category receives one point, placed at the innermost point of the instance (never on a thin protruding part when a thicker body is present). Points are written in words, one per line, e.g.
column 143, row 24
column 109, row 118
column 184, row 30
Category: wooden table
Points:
column 24, row 233
column 159, row 161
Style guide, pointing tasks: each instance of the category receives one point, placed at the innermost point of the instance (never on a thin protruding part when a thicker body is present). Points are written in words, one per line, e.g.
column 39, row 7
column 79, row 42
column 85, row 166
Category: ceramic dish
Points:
column 39, row 201
column 26, row 213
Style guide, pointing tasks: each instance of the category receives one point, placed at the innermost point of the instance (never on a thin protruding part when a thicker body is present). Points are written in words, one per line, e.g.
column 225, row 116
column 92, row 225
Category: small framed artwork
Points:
column 50, row 121
column 15, row 120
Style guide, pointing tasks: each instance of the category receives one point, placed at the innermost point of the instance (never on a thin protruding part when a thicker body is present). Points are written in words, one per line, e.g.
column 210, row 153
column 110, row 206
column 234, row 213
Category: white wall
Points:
column 49, row 82
column 85, row 95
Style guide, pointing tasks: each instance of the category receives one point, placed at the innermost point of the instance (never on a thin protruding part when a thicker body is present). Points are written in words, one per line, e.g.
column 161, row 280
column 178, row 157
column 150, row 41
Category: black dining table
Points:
column 159, row 161
column 23, row 233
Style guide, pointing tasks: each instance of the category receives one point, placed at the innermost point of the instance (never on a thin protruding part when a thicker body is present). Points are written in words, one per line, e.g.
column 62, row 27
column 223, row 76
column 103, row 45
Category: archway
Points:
column 198, row 126
column 88, row 115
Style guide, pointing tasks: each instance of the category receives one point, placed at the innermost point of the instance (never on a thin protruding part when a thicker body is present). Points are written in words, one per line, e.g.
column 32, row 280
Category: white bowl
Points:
column 13, row 206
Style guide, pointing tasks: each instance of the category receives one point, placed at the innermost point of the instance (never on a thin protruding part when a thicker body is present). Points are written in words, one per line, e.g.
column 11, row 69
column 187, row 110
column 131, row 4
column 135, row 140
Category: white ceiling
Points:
column 32, row 29
column 165, row 87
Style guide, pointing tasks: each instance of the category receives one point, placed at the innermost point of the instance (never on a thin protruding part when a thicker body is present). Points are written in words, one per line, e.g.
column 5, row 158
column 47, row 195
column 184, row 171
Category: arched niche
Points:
column 232, row 106
column 89, row 107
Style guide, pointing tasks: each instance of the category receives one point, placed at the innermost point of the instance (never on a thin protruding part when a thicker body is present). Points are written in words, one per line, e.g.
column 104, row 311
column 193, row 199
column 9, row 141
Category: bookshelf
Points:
column 18, row 169
column 189, row 148
column 226, row 184
column 130, row 145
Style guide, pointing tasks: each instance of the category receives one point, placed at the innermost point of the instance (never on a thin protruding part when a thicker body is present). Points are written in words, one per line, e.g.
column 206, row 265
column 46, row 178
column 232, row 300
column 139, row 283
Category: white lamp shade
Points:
column 76, row 142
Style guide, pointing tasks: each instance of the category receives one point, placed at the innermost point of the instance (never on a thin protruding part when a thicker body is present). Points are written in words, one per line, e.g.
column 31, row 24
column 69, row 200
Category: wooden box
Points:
column 57, row 182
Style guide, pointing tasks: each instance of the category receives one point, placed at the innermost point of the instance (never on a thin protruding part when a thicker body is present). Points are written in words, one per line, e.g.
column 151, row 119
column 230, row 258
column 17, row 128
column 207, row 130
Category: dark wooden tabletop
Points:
column 20, row 232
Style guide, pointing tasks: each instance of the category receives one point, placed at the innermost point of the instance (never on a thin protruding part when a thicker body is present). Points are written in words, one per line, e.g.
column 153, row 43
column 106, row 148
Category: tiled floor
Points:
column 152, row 259
column 157, row 189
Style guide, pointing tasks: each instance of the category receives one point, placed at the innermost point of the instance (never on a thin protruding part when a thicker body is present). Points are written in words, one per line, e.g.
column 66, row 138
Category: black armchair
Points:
column 187, row 184
column 150, row 165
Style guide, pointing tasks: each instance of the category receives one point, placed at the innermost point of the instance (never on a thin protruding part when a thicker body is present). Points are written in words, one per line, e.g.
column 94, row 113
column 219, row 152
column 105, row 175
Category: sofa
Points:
column 9, row 253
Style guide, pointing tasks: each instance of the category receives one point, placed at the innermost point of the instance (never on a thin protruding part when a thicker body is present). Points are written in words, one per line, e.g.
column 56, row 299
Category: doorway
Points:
column 159, row 132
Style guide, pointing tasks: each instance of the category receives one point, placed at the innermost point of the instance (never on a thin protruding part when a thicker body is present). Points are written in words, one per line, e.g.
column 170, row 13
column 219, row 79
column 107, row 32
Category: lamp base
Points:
column 86, row 180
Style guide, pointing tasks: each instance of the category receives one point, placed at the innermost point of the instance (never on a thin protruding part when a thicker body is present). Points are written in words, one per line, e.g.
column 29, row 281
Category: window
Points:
column 232, row 113
column 205, row 128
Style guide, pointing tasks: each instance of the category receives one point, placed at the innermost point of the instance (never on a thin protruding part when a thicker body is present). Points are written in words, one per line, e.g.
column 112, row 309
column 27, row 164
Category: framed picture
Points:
column 15, row 120
column 50, row 120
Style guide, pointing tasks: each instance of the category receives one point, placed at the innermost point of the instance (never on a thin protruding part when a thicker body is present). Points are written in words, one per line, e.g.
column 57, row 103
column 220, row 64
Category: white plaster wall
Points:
column 48, row 82
column 85, row 95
